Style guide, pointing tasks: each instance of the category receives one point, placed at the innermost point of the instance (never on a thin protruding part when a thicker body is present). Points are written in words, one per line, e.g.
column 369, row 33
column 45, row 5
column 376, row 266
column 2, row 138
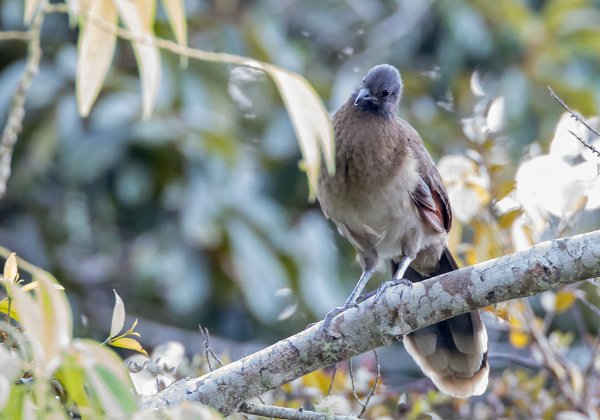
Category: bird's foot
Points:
column 390, row 283
column 326, row 326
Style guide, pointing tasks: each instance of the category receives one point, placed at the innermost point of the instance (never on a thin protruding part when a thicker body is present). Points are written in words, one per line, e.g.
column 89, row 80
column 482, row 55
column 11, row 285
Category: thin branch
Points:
column 335, row 368
column 545, row 266
column 15, row 35
column 288, row 413
column 209, row 351
column 516, row 359
column 551, row 357
column 162, row 43
column 377, row 377
column 16, row 113
column 590, row 305
column 578, row 118
column 351, row 372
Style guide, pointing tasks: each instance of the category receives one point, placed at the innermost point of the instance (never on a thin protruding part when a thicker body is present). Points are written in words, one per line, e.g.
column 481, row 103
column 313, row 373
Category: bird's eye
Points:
column 385, row 93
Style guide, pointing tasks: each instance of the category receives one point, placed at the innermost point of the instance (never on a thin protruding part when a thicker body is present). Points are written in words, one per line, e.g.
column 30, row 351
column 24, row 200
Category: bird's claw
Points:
column 332, row 314
column 390, row 283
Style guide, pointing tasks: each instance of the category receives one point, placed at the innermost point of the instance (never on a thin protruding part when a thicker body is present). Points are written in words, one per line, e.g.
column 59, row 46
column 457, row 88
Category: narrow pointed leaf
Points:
column 128, row 343
column 310, row 120
column 136, row 18
column 10, row 268
column 95, row 52
column 4, row 309
column 57, row 323
column 118, row 316
column 175, row 10
column 107, row 377
column 30, row 7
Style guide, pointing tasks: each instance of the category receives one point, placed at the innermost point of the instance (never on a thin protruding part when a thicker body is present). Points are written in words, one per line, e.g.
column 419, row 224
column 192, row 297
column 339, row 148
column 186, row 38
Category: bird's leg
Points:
column 351, row 301
column 398, row 277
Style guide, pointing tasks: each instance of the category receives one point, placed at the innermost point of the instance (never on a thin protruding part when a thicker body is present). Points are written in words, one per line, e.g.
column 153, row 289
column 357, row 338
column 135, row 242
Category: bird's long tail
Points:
column 453, row 353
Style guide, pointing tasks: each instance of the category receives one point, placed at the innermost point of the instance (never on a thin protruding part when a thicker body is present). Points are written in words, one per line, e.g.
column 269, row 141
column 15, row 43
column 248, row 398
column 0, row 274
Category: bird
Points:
column 386, row 197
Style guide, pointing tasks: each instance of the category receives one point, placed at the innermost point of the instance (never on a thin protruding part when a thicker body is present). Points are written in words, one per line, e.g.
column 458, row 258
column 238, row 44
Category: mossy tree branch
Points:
column 545, row 266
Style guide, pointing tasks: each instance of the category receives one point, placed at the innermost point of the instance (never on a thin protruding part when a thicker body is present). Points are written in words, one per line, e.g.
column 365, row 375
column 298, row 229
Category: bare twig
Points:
column 578, row 118
column 377, row 377
column 288, row 413
column 351, row 372
column 16, row 113
column 209, row 351
column 335, row 368
column 163, row 43
column 552, row 359
column 590, row 306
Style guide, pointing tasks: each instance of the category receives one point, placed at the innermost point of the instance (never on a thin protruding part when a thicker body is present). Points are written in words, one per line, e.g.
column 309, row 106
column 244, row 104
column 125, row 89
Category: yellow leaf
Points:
column 519, row 339
column 317, row 379
column 310, row 121
column 503, row 189
column 500, row 312
column 147, row 12
column 128, row 343
column 95, row 51
column 564, row 300
column 11, row 272
column 517, row 336
column 507, row 219
column 4, row 309
column 118, row 316
column 136, row 16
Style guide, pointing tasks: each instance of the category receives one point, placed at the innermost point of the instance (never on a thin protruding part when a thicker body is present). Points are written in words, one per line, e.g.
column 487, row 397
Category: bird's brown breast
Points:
column 370, row 149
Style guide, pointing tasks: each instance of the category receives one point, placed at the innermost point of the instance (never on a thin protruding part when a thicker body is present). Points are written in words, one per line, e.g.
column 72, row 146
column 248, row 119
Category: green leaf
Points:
column 14, row 407
column 120, row 391
column 72, row 377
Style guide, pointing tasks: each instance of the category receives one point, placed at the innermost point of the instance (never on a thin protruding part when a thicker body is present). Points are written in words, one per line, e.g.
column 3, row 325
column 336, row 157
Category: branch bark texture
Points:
column 399, row 311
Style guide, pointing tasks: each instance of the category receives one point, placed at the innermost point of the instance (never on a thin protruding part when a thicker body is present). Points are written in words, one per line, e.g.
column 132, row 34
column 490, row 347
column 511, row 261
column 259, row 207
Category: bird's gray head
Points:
column 380, row 91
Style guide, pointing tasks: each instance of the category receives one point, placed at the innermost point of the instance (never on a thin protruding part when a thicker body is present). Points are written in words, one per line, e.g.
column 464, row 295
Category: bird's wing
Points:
column 430, row 196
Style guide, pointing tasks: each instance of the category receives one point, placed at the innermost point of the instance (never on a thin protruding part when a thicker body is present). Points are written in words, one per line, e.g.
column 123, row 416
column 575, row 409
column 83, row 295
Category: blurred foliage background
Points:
column 199, row 215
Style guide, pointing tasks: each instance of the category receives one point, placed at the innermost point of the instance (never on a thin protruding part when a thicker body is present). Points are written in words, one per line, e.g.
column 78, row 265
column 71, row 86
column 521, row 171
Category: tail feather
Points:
column 453, row 353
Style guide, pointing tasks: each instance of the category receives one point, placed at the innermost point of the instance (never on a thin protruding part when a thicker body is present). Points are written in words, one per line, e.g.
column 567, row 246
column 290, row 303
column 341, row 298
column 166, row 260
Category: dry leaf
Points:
column 176, row 13
column 136, row 18
column 310, row 120
column 30, row 8
column 95, row 51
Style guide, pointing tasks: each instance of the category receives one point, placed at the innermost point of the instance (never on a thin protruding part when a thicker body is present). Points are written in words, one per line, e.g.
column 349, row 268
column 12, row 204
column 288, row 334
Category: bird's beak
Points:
column 363, row 95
